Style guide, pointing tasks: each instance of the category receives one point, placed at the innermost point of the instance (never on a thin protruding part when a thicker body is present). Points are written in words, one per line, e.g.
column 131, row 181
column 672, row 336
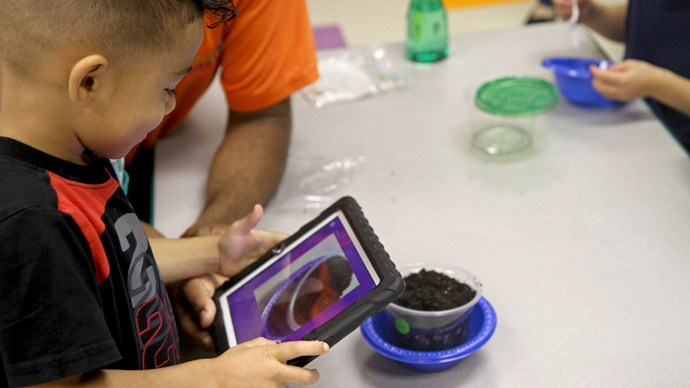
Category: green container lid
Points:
column 517, row 97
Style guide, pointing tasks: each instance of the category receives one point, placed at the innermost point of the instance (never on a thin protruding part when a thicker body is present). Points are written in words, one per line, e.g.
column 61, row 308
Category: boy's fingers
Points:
column 286, row 351
column 606, row 91
column 595, row 70
column 299, row 375
column 605, row 80
column 268, row 239
column 611, row 91
column 198, row 293
column 289, row 350
column 246, row 224
column 619, row 66
column 191, row 328
column 602, row 74
column 615, row 71
column 259, row 341
column 595, row 84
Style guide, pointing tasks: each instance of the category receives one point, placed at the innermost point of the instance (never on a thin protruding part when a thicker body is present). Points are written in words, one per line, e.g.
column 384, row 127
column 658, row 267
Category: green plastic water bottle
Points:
column 427, row 31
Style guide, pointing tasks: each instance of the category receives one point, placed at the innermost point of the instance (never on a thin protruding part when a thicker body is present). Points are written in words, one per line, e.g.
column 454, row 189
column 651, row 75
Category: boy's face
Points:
column 141, row 94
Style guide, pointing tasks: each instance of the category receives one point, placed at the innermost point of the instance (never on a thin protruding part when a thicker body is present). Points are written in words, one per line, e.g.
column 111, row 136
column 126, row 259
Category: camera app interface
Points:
column 312, row 281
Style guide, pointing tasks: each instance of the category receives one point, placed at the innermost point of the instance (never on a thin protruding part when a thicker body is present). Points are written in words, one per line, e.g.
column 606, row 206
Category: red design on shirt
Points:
column 86, row 204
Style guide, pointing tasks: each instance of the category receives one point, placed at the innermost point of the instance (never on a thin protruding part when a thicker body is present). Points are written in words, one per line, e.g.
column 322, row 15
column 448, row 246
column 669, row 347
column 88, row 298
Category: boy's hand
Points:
column 240, row 244
column 627, row 80
column 195, row 309
column 262, row 363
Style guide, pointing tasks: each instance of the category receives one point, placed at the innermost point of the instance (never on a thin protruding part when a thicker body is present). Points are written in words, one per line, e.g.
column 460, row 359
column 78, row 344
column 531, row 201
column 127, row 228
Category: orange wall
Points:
column 466, row 3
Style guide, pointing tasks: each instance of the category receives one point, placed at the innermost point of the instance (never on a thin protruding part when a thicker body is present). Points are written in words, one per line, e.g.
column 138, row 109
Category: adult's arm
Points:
column 247, row 167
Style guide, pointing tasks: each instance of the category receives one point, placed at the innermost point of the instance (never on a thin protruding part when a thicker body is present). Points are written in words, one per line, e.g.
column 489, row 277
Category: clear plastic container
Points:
column 504, row 111
column 432, row 330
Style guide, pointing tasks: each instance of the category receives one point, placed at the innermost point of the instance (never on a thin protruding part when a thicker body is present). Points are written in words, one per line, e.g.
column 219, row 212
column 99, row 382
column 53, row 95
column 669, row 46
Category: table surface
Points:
column 581, row 246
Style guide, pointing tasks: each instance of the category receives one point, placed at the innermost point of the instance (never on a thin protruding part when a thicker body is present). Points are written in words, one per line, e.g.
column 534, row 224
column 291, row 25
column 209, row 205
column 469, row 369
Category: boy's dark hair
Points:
column 222, row 10
column 115, row 28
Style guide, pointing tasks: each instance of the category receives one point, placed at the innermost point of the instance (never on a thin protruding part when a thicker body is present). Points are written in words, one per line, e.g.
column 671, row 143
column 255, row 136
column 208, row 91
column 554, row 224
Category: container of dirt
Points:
column 435, row 311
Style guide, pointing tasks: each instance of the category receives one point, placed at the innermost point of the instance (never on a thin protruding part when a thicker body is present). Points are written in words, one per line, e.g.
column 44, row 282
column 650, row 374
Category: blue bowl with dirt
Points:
column 481, row 329
column 574, row 80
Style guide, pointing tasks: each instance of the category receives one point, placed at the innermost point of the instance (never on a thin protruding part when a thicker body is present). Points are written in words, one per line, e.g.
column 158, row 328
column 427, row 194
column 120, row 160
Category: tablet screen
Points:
column 311, row 281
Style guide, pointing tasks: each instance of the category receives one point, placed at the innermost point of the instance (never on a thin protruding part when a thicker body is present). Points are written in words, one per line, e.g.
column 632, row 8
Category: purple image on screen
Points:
column 307, row 286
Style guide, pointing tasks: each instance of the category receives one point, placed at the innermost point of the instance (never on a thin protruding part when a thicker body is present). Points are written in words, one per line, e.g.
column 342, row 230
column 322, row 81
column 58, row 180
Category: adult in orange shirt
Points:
column 266, row 53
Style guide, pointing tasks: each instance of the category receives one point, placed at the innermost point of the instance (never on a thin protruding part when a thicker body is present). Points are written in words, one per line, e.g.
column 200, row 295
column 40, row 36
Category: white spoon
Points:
column 572, row 23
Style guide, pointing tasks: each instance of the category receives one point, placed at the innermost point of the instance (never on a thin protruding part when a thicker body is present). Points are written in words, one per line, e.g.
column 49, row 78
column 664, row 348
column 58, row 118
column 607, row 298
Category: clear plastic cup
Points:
column 504, row 110
column 496, row 135
column 431, row 330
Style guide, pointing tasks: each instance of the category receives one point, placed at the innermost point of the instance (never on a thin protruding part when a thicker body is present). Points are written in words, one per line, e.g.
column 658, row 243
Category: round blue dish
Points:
column 574, row 80
column 482, row 328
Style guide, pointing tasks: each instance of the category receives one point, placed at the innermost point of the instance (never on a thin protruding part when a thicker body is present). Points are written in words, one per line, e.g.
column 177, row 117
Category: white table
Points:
column 582, row 247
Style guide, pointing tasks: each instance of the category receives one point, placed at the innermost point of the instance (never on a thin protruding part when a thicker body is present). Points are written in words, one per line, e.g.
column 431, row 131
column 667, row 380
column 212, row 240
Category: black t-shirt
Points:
column 657, row 32
column 79, row 288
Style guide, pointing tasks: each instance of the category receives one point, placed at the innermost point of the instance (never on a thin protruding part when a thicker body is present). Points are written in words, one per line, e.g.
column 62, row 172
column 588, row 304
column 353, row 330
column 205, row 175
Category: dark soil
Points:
column 433, row 291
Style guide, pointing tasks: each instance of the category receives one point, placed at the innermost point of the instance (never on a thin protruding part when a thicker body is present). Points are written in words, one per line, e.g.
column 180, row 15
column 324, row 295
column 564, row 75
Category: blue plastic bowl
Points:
column 482, row 328
column 574, row 80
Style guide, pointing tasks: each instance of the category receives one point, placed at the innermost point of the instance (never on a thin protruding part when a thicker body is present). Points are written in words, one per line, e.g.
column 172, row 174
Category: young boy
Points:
column 657, row 64
column 81, row 298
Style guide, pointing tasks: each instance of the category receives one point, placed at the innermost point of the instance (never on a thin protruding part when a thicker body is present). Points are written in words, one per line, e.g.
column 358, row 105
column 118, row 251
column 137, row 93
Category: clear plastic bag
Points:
column 351, row 75
column 312, row 182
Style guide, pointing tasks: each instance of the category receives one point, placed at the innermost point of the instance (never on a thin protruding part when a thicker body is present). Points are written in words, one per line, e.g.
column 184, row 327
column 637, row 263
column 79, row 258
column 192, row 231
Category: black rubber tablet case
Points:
column 389, row 289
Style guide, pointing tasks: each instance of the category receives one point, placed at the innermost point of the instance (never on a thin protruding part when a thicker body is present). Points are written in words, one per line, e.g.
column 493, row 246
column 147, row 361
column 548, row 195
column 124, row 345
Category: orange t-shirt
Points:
column 267, row 53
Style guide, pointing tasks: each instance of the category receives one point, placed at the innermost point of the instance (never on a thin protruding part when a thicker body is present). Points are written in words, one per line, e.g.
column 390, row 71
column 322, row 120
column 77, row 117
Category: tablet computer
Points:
column 320, row 283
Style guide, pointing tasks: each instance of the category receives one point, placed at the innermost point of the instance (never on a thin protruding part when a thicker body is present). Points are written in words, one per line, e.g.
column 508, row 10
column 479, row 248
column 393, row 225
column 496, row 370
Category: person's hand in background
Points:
column 563, row 9
column 631, row 79
column 609, row 21
column 628, row 80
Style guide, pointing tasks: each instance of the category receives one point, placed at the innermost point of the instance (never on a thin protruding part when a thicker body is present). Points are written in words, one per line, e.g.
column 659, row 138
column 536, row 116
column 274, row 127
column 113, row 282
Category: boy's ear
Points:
column 86, row 78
